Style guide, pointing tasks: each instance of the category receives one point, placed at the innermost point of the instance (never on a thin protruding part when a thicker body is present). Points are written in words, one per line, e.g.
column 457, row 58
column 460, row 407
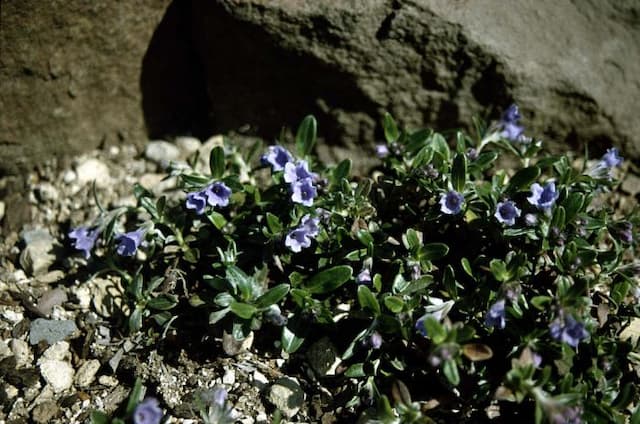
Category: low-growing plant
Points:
column 457, row 291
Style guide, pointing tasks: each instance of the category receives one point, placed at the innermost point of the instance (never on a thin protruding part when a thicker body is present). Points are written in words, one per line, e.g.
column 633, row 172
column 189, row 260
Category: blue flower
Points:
column 509, row 124
column 310, row 225
column 295, row 172
column 147, row 412
column 568, row 330
column 218, row 194
column 278, row 157
column 85, row 239
column 451, row 203
column 129, row 242
column 382, row 151
column 364, row 277
column 543, row 197
column 507, row 212
column 297, row 240
column 300, row 237
column 197, row 201
column 611, row 159
column 304, row 192
column 496, row 315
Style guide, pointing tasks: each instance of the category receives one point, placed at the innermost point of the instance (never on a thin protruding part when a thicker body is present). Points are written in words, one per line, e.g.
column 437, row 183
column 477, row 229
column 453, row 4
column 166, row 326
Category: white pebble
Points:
column 58, row 374
column 93, row 170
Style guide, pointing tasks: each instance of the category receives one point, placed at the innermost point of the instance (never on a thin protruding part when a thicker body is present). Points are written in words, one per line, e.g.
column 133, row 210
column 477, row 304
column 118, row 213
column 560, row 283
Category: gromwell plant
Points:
column 456, row 291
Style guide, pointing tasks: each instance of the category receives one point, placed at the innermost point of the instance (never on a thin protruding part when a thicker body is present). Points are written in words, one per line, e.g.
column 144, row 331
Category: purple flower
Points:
column 129, row 242
column 147, row 412
column 301, row 237
column 278, row 157
column 297, row 240
column 451, row 203
column 274, row 316
column 507, row 212
column 509, row 124
column 219, row 396
column 197, row 201
column 364, row 277
column 310, row 225
column 304, row 192
column 375, row 340
column 568, row 330
column 496, row 315
column 382, row 151
column 218, row 194
column 625, row 231
column 85, row 239
column 543, row 197
column 295, row 172
column 611, row 159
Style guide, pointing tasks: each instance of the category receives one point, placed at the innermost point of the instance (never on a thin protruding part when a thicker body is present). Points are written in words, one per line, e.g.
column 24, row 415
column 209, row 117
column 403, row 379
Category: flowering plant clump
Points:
column 454, row 290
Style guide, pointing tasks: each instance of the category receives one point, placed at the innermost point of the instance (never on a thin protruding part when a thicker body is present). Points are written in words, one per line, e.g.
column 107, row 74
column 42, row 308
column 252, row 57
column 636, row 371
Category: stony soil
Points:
column 62, row 349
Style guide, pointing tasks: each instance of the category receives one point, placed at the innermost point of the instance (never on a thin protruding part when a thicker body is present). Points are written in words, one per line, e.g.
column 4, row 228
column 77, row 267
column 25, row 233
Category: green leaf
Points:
column 162, row 302
column 135, row 320
column 459, row 172
column 368, row 300
column 98, row 417
column 150, row 206
column 342, row 170
column 239, row 281
column 272, row 296
column 134, row 397
column 449, row 282
column 523, row 178
column 243, row 310
column 539, row 302
column 499, row 270
column 433, row 251
column 466, row 265
column 450, row 370
column 216, row 162
column 391, row 132
column 216, row 316
column 306, row 135
column 274, row 223
column 435, row 330
column 365, row 237
column 440, row 146
column 328, row 280
column 394, row 304
column 355, row 370
column 558, row 218
column 217, row 219
column 290, row 341
column 573, row 205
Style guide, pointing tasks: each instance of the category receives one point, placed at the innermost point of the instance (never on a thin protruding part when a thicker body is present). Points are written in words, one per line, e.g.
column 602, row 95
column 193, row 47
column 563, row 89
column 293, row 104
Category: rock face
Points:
column 572, row 66
column 74, row 74
column 69, row 73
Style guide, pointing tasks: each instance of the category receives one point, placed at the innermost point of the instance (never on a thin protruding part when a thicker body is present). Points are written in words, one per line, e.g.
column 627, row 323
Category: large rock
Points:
column 69, row 72
column 572, row 65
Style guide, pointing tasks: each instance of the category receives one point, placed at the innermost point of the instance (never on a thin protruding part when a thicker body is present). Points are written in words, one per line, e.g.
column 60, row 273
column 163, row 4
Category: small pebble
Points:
column 93, row 170
column 2, row 210
column 229, row 377
column 259, row 380
column 58, row 351
column 188, row 145
column 51, row 331
column 108, row 381
column 21, row 352
column 86, row 374
column 58, row 374
column 161, row 152
column 286, row 395
column 69, row 176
